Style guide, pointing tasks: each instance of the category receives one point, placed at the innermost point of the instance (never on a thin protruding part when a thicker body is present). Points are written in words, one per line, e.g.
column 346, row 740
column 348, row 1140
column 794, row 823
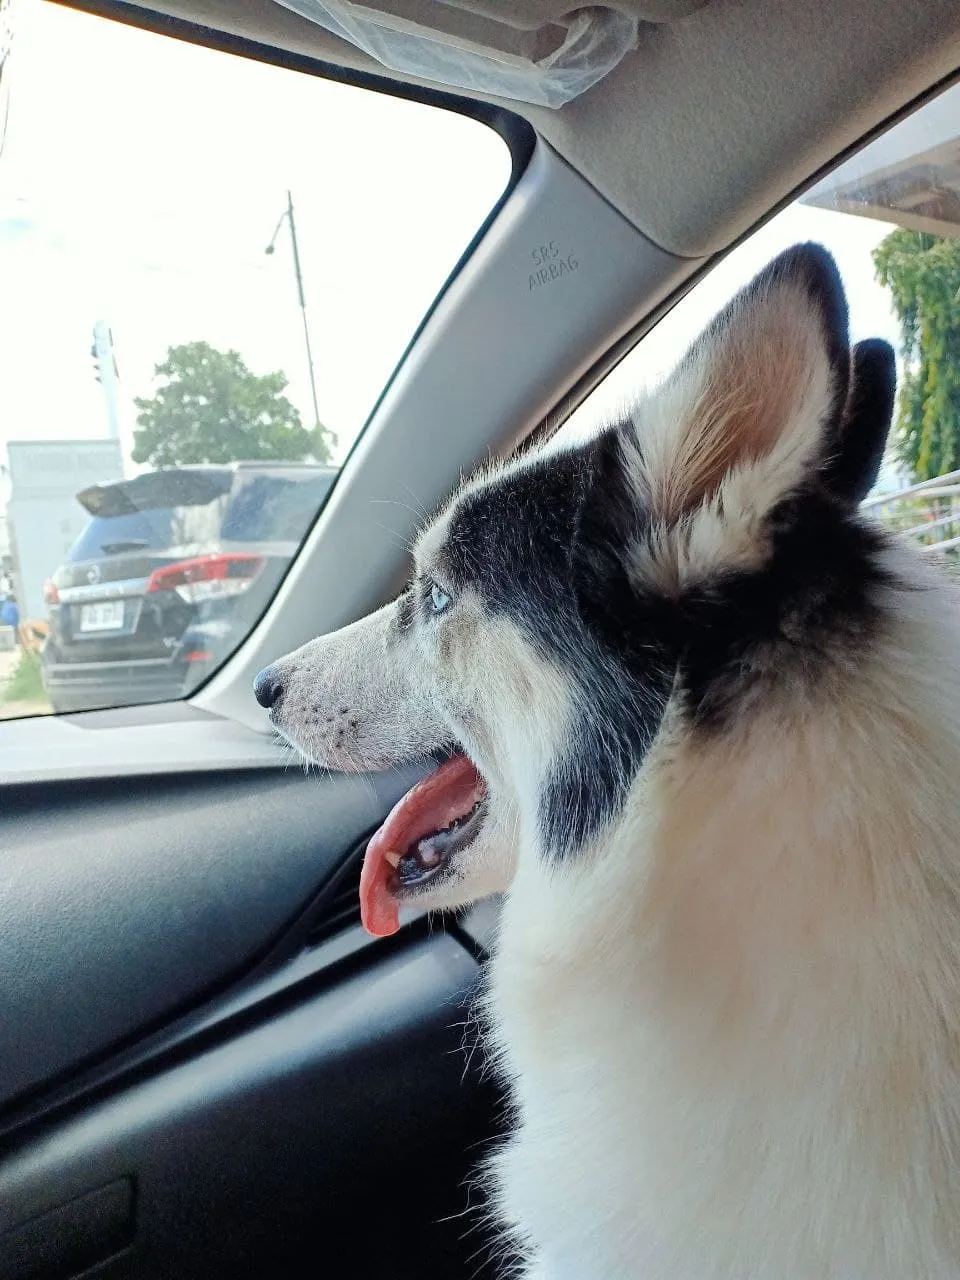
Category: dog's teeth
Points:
column 393, row 858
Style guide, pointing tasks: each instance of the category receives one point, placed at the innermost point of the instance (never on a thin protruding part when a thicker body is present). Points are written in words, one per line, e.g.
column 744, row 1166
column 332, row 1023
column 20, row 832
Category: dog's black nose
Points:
column 267, row 688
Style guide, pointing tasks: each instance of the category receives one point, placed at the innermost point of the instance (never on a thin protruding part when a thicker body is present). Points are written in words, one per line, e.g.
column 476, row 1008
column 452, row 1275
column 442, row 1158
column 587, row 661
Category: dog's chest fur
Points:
column 726, row 1031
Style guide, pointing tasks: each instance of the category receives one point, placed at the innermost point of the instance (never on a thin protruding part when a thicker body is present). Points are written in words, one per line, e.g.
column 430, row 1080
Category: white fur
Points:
column 732, row 1024
column 734, row 1032
column 709, row 481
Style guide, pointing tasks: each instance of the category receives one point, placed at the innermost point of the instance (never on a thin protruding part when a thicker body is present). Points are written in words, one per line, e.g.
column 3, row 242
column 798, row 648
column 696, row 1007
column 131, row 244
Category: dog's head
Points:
column 696, row 555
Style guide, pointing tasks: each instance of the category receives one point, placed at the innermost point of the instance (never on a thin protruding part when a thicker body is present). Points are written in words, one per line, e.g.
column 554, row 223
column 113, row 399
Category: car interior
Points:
column 207, row 1068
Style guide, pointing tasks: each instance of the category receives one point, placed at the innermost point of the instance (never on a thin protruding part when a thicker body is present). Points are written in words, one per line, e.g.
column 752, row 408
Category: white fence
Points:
column 928, row 512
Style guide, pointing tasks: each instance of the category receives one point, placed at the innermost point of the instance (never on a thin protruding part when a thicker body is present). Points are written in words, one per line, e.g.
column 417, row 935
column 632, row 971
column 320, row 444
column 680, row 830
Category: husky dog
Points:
column 705, row 731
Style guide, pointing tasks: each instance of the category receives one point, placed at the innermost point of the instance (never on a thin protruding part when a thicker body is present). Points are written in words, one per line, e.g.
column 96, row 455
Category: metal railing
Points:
column 928, row 513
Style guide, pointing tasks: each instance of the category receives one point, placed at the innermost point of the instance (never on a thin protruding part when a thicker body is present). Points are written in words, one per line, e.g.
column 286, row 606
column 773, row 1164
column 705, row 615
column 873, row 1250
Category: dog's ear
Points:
column 757, row 402
column 852, row 470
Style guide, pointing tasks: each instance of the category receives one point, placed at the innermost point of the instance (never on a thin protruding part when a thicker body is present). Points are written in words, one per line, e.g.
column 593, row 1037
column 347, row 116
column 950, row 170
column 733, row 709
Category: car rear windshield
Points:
column 113, row 535
column 259, row 509
column 274, row 508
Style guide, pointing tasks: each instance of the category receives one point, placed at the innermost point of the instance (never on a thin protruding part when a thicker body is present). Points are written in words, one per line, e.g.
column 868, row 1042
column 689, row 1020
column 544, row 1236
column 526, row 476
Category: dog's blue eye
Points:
column 439, row 600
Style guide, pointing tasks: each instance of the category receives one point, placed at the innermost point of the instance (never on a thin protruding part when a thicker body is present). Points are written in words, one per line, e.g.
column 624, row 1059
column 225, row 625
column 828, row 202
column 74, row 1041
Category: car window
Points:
column 106, row 535
column 272, row 508
column 891, row 217
column 211, row 267
column 156, row 511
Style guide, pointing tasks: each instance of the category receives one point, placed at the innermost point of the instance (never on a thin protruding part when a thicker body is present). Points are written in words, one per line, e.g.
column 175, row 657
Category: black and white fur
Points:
column 718, row 712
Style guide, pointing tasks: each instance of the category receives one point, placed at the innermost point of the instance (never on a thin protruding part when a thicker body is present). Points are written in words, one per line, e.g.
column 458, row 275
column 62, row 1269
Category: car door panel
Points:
column 314, row 1123
column 207, row 1067
column 128, row 900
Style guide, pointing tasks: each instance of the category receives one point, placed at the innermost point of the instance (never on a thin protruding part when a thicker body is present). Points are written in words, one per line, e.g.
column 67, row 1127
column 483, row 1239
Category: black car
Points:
column 173, row 569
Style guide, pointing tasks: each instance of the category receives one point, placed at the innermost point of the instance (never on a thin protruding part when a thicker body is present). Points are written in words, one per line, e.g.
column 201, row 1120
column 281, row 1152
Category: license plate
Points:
column 107, row 616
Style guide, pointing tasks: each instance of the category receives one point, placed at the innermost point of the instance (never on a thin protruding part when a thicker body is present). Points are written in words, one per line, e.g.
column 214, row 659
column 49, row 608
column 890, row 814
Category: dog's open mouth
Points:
column 433, row 822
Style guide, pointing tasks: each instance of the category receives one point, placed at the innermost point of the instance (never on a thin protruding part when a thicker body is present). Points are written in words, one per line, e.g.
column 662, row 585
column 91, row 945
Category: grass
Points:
column 25, row 684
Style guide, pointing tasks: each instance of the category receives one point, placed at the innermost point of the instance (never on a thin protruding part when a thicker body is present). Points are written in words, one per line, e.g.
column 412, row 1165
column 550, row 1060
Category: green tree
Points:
column 209, row 407
column 922, row 272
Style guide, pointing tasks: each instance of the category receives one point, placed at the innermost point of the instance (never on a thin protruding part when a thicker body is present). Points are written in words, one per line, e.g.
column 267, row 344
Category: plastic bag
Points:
column 596, row 41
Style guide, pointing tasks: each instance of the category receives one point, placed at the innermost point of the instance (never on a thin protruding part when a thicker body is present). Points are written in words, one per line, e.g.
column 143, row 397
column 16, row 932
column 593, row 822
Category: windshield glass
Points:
column 210, row 268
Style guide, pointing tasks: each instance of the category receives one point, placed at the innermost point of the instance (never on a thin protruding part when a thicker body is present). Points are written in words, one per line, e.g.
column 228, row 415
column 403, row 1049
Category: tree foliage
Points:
column 209, row 407
column 922, row 272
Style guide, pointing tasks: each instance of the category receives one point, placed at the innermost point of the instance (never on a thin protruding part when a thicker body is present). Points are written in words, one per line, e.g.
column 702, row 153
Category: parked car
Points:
column 169, row 575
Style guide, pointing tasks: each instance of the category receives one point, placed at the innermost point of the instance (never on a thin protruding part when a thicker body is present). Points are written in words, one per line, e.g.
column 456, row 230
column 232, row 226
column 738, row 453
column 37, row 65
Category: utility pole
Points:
column 288, row 214
column 105, row 364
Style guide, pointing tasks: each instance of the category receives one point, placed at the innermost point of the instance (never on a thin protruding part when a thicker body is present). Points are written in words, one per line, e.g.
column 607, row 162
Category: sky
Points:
column 850, row 239
column 140, row 181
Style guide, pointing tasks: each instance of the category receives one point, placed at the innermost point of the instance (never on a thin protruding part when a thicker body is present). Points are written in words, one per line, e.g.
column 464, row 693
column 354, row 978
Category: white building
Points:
column 44, row 518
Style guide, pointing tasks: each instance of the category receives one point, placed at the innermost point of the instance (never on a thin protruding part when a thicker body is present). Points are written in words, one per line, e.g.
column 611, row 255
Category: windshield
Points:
column 211, row 267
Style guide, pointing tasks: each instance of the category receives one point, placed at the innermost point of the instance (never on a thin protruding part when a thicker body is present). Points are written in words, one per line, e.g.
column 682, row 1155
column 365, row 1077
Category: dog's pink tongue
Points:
column 448, row 793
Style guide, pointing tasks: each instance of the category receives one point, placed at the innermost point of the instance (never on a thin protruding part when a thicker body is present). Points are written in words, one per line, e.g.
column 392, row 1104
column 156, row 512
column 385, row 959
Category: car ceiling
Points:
column 716, row 117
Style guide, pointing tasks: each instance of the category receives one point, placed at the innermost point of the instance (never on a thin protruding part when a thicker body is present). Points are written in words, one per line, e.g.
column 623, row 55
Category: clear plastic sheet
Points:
column 595, row 42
